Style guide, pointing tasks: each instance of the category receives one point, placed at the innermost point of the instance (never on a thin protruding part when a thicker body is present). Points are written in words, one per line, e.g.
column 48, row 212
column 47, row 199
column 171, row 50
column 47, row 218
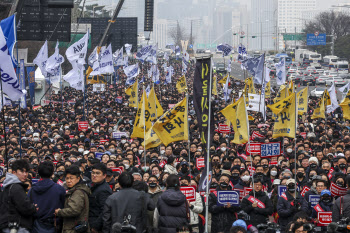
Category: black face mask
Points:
column 341, row 184
column 183, row 185
column 313, row 166
column 235, row 175
column 342, row 166
column 223, row 185
column 300, row 175
column 184, row 169
column 60, row 173
column 327, row 200
column 326, row 171
column 265, row 166
column 214, row 185
column 152, row 185
column 260, row 175
column 291, row 189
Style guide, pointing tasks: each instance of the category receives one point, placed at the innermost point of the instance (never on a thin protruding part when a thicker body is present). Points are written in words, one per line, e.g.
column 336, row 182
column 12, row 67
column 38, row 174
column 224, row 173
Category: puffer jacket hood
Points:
column 42, row 186
column 173, row 198
column 11, row 179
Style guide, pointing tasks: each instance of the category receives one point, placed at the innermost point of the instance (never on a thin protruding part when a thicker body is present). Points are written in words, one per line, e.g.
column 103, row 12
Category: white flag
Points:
column 118, row 57
column 334, row 102
column 155, row 74
column 53, row 66
column 227, row 91
column 131, row 71
column 345, row 89
column 76, row 53
column 8, row 76
column 281, row 72
column 93, row 57
column 152, row 55
column 144, row 52
column 185, row 62
column 148, row 90
column 41, row 58
column 105, row 61
column 75, row 78
column 254, row 102
column 267, row 74
column 166, row 56
column 128, row 48
column 126, row 61
column 169, row 74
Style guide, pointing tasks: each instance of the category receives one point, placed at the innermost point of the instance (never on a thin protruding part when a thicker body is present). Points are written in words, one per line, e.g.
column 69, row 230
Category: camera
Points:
column 243, row 215
column 270, row 227
column 13, row 226
column 311, row 228
column 343, row 224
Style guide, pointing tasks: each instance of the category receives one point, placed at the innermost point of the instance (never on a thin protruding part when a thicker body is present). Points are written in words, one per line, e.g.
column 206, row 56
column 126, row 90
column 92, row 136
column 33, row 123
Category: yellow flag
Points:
column 132, row 92
column 173, row 125
column 285, row 122
column 268, row 90
column 345, row 105
column 88, row 72
column 215, row 88
column 181, row 84
column 142, row 118
column 249, row 86
column 154, row 106
column 302, row 101
column 152, row 139
column 319, row 112
column 223, row 81
column 291, row 88
column 282, row 94
column 236, row 113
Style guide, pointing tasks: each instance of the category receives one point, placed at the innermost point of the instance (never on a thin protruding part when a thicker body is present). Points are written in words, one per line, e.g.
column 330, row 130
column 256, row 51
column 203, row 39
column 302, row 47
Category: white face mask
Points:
column 126, row 166
column 289, row 150
column 245, row 178
column 66, row 127
column 273, row 173
column 162, row 152
column 157, row 175
column 123, row 141
column 81, row 150
column 223, row 148
column 35, row 139
column 199, row 149
column 140, row 151
column 56, row 158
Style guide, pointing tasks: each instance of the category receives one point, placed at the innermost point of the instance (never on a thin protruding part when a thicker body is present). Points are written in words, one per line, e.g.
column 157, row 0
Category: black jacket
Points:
column 241, row 184
column 345, row 201
column 172, row 208
column 126, row 202
column 221, row 217
column 99, row 194
column 15, row 206
column 257, row 215
column 286, row 211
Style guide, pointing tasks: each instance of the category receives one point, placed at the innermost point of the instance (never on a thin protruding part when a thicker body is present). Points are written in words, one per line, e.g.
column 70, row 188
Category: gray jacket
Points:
column 346, row 207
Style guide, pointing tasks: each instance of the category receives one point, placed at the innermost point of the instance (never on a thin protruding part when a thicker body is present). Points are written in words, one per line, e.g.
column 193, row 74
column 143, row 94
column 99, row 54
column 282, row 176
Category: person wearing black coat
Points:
column 15, row 206
column 222, row 216
column 172, row 208
column 258, row 208
column 288, row 205
column 100, row 191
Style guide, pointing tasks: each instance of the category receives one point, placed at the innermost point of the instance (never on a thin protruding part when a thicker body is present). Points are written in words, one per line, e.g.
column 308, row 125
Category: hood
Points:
column 42, row 186
column 11, row 179
column 80, row 186
column 158, row 190
column 173, row 198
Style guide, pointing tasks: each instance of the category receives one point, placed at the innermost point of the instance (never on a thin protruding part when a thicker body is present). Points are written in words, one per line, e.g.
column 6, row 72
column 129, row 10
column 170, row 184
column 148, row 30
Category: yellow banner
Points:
column 302, row 101
column 268, row 90
column 345, row 105
column 249, row 86
column 142, row 117
column 215, row 88
column 154, row 106
column 282, row 94
column 181, row 84
column 152, row 139
column 223, row 81
column 132, row 92
column 285, row 121
column 173, row 125
column 319, row 112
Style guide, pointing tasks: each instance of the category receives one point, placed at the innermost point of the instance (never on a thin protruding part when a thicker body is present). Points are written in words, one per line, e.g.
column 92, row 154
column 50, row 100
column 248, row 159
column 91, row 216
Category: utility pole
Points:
column 332, row 52
column 261, row 37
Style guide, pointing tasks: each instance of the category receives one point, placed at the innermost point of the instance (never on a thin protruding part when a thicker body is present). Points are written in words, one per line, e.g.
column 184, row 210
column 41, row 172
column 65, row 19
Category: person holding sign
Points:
column 289, row 204
column 324, row 205
column 260, row 207
column 222, row 216
column 341, row 206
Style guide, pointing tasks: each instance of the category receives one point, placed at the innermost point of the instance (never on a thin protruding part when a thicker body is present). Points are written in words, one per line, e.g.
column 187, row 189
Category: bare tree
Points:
column 177, row 34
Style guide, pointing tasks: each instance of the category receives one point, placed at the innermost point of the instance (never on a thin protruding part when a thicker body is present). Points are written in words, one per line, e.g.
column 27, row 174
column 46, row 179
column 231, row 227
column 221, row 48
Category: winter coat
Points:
column 345, row 202
column 154, row 196
column 241, row 184
column 172, row 211
column 257, row 215
column 222, row 218
column 286, row 211
column 127, row 201
column 20, row 209
column 327, row 207
column 76, row 207
column 170, row 169
column 196, row 209
column 99, row 194
column 48, row 196
column 312, row 191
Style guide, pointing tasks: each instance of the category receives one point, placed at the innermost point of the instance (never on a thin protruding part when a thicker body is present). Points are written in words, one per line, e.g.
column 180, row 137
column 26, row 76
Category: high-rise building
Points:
column 262, row 28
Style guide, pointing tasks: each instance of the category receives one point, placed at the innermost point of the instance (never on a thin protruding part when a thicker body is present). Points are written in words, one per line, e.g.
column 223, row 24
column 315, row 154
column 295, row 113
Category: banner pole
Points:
column 188, row 131
column 61, row 87
column 3, row 122
column 144, row 119
column 295, row 140
column 262, row 85
column 208, row 150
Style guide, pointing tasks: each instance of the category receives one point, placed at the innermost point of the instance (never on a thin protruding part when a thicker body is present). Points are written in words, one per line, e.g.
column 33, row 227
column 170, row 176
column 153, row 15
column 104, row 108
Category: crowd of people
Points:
column 52, row 180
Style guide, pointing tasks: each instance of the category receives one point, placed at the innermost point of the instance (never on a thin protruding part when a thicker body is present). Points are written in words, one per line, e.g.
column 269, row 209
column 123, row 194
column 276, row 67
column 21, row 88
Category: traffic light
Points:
column 253, row 36
column 242, row 37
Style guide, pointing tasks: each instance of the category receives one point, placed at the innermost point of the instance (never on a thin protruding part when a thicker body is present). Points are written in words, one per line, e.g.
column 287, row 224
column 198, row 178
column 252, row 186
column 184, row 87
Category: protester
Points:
column 341, row 206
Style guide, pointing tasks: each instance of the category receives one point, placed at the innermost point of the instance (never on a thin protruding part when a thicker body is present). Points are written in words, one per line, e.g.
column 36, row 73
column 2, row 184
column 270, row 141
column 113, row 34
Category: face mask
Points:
column 97, row 130
column 245, row 178
column 274, row 173
column 289, row 150
column 60, row 173
column 300, row 175
column 313, row 166
column 123, row 141
column 184, row 169
column 199, row 149
column 183, row 185
column 140, row 151
column 235, row 175
column 340, row 184
column 223, row 149
column 162, row 152
column 157, row 175
column 118, row 113
column 66, row 127
column 35, row 139
column 291, row 189
column 56, row 158
column 223, row 185
column 81, row 150
column 145, row 168
column 326, row 171
column 126, row 166
column 265, row 166
column 214, row 185
column 152, row 185
column 112, row 151
column 342, row 166
column 326, row 200
column 81, row 136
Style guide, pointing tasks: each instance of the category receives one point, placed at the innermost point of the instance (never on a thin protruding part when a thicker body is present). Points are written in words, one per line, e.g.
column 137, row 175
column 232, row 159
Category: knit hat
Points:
column 313, row 159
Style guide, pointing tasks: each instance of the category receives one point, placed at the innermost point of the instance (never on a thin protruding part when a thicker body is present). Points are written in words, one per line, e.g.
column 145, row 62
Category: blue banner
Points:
column 31, row 83
column 231, row 197
column 281, row 189
column 312, row 39
column 270, row 149
column 98, row 155
column 313, row 200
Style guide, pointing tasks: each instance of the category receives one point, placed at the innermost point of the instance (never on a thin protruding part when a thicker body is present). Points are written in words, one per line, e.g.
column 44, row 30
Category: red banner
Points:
column 251, row 170
column 189, row 192
column 71, row 136
column 241, row 193
column 324, row 218
column 247, row 190
column 118, row 169
column 303, row 134
column 337, row 191
column 162, row 164
column 83, row 125
column 103, row 141
column 253, row 148
column 305, row 189
column 200, row 163
column 223, row 128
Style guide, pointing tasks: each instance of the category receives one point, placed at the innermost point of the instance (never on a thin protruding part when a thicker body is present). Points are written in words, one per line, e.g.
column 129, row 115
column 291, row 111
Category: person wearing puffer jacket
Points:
column 196, row 207
column 170, row 166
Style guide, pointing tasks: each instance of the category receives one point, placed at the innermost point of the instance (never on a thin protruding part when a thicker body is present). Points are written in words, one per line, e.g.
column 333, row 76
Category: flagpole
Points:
column 262, row 85
column 188, row 130
column 3, row 120
column 295, row 141
column 325, row 116
column 19, row 101
column 61, row 87
column 144, row 118
column 208, row 151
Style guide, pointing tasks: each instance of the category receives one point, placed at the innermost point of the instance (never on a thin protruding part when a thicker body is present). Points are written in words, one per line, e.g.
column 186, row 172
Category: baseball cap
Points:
column 325, row 192
column 290, row 181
